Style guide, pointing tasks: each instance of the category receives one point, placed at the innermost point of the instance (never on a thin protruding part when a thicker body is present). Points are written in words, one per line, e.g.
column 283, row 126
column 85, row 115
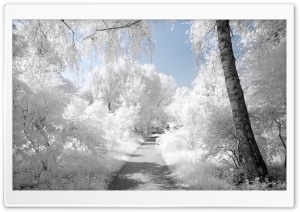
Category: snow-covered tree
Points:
column 201, row 32
column 127, row 83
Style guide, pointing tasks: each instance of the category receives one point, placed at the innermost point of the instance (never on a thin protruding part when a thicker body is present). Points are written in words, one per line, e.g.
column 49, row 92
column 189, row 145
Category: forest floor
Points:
column 145, row 170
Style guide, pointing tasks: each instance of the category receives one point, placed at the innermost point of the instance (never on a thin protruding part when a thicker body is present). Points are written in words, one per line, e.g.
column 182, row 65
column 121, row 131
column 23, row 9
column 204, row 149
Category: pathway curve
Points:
column 145, row 170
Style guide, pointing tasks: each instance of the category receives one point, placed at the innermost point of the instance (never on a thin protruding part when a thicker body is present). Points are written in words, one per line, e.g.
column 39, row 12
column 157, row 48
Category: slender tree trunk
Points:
column 109, row 106
column 282, row 141
column 254, row 163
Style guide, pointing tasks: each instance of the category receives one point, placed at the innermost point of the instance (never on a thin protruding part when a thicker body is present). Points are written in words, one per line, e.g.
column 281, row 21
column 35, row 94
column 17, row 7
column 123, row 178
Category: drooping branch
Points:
column 73, row 33
column 112, row 28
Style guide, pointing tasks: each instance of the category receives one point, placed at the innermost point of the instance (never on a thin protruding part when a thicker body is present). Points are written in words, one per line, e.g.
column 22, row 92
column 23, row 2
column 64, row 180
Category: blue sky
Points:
column 173, row 54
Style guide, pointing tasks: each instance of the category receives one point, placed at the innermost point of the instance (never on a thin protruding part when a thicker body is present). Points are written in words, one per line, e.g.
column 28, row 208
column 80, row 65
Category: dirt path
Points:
column 145, row 170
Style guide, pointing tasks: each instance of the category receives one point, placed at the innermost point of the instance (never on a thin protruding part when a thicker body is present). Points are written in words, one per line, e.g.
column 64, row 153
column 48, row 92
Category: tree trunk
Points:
column 254, row 163
column 282, row 141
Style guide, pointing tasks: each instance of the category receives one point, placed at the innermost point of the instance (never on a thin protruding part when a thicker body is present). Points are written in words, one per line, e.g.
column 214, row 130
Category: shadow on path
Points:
column 145, row 170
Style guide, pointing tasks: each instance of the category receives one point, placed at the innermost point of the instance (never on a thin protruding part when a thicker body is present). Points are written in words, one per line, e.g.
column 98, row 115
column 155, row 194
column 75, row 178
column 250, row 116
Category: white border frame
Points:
column 146, row 198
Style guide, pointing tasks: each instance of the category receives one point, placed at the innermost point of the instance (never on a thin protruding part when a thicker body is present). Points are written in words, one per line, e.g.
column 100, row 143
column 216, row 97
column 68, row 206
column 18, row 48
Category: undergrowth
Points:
column 190, row 172
column 77, row 170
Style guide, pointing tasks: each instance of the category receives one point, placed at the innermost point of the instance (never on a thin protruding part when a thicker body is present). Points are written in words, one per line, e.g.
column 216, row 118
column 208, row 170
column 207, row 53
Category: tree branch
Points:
column 111, row 28
column 73, row 33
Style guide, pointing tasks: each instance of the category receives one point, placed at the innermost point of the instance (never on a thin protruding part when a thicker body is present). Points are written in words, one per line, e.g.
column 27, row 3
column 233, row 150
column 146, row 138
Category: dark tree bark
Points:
column 253, row 160
column 281, row 138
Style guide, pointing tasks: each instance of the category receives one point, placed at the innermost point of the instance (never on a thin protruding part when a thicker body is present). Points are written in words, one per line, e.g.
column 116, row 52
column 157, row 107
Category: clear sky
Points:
column 173, row 54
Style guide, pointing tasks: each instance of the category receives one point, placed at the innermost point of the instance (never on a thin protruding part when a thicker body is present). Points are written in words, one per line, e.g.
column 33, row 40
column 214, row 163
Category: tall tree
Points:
column 253, row 161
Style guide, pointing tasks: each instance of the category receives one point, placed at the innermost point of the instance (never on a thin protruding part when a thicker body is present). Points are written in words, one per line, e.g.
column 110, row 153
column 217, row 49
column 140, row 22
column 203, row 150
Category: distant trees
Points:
column 127, row 83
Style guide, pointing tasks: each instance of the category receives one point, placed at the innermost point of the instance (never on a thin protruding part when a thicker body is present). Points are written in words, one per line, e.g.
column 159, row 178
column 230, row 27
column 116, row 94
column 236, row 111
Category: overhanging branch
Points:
column 73, row 33
column 111, row 28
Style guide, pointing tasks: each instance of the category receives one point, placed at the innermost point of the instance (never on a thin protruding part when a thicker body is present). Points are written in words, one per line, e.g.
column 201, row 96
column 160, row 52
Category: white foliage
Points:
column 202, row 35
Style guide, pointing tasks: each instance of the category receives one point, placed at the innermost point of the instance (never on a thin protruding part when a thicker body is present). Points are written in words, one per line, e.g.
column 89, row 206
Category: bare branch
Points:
column 111, row 28
column 73, row 33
